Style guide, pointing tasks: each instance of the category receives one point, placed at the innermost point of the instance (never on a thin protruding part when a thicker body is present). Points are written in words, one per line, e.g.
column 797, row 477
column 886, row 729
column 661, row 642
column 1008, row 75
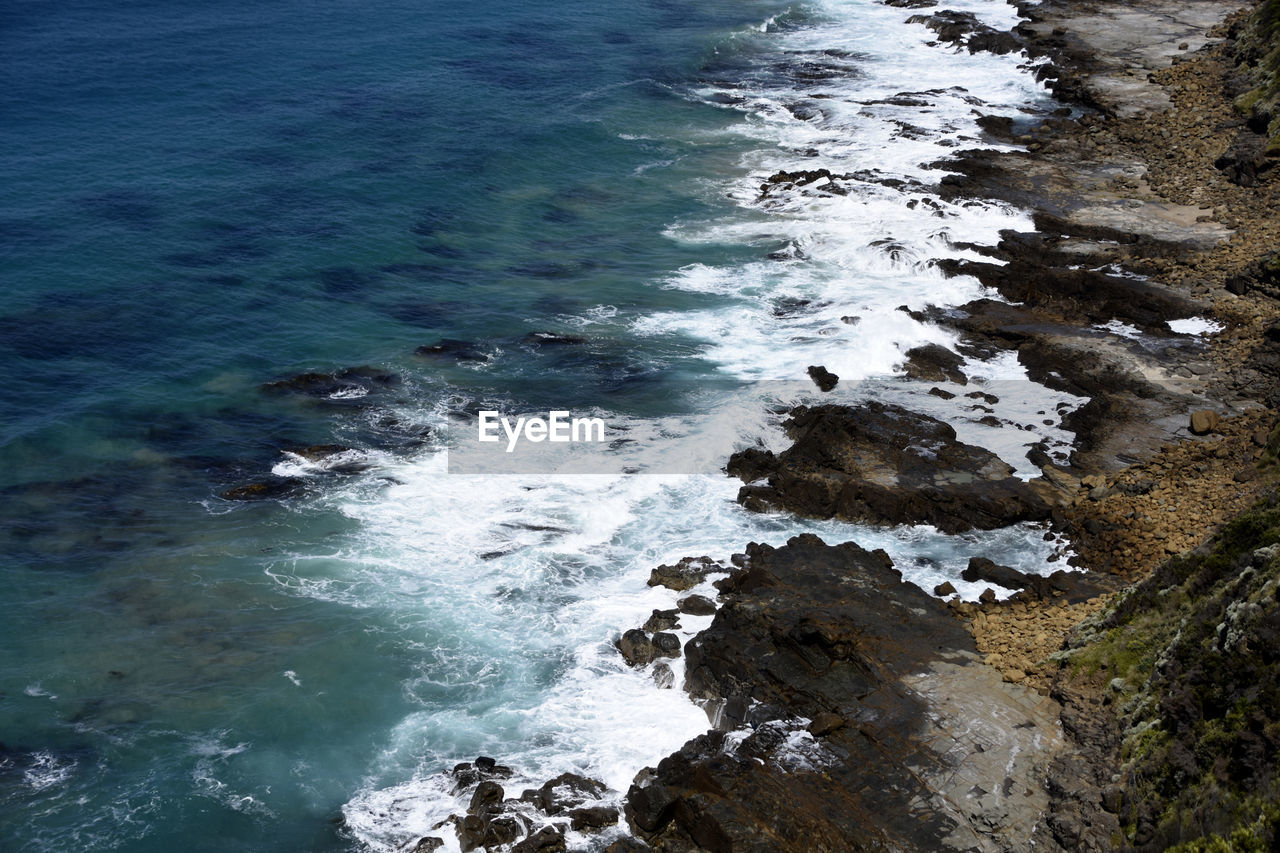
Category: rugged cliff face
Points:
column 1190, row 659
column 1258, row 52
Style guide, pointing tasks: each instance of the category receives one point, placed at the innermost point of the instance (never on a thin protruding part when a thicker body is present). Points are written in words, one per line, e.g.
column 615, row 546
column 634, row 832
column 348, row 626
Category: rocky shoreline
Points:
column 853, row 711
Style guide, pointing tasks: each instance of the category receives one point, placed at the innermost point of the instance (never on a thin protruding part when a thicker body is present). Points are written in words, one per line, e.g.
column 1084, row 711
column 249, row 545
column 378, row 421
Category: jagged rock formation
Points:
column 884, row 464
column 854, row 715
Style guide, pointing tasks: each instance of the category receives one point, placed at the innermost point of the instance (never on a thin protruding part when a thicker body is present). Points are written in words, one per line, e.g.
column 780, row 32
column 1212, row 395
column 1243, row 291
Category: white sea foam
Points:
column 1122, row 329
column 47, row 770
column 1195, row 326
column 516, row 586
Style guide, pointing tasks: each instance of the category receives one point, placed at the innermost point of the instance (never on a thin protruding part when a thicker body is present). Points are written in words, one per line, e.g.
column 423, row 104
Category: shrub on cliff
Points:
column 1258, row 51
column 1195, row 651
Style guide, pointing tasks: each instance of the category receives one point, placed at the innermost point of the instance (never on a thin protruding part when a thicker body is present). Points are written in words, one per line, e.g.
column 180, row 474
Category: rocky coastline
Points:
column 1131, row 706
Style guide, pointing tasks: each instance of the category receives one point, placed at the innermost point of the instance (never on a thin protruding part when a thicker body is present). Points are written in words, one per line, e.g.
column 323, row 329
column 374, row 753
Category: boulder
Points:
column 427, row 844
column 982, row 569
column 934, row 363
column 592, row 817
column 636, row 648
column 469, row 773
column 663, row 620
column 685, row 574
column 1204, row 421
column 751, row 464
column 666, row 645
column 549, row 839
column 696, row 605
column 487, row 793
column 823, row 378
column 568, row 791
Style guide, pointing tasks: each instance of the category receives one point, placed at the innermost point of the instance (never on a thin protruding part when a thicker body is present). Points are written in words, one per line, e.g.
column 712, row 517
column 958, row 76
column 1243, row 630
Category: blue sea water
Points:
column 200, row 198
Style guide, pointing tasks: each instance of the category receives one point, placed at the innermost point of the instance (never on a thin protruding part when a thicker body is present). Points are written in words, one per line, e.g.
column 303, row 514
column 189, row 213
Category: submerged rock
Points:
column 268, row 490
column 461, row 351
column 353, row 382
column 547, row 339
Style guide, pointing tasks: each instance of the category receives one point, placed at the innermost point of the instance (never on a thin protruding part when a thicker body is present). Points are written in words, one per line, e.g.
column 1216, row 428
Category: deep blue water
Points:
column 200, row 198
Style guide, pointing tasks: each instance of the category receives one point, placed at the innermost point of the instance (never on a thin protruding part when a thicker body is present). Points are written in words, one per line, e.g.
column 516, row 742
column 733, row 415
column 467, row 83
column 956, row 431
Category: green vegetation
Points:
column 1194, row 658
column 1259, row 50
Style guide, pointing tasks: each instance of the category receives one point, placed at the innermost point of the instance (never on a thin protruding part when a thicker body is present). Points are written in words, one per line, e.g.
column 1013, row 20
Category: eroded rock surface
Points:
column 853, row 715
column 884, row 464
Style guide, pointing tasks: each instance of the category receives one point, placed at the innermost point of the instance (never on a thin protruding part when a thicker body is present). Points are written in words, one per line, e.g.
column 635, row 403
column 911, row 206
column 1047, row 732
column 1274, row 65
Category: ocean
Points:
column 204, row 199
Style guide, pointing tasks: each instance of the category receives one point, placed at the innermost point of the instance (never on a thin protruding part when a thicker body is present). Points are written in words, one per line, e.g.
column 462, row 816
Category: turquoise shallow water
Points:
column 200, row 199
column 203, row 198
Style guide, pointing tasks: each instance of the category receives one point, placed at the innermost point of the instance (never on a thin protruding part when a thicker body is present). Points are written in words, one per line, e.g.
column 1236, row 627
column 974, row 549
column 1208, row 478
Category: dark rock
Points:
column 806, row 628
column 549, row 839
column 663, row 620
column 471, row 830
column 964, row 28
column 628, row 845
column 356, row 381
column 824, row 724
column 636, row 648
column 548, row 339
column 883, row 464
column 665, row 645
column 285, row 487
column 467, row 774
column 988, row 596
column 944, row 589
column 452, row 349
column 1000, row 127
column 427, row 844
column 938, row 392
column 500, row 831
column 982, row 569
column 935, row 363
column 487, row 793
column 685, row 574
column 567, row 791
column 751, row 464
column 823, row 378
column 592, row 817
column 696, row 605
column 316, row 452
